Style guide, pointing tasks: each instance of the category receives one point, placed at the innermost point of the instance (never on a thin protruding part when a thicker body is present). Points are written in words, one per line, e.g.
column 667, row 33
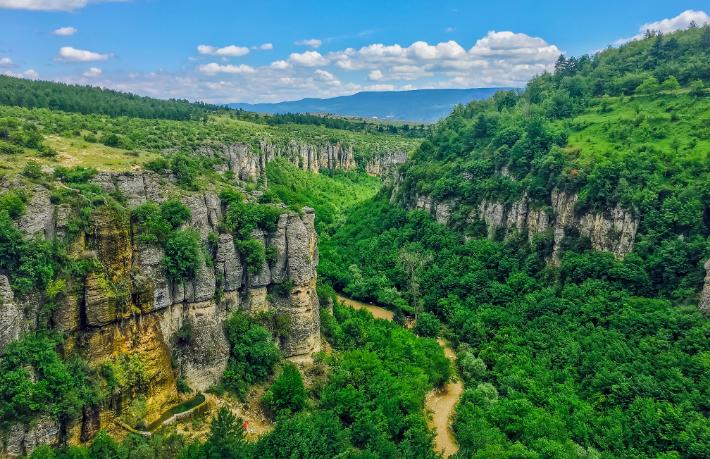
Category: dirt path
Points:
column 441, row 403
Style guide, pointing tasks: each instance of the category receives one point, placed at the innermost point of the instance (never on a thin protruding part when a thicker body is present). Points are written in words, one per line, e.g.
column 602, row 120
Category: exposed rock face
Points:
column 385, row 163
column 613, row 231
column 130, row 307
column 11, row 319
column 22, row 439
column 39, row 221
column 704, row 304
column 249, row 165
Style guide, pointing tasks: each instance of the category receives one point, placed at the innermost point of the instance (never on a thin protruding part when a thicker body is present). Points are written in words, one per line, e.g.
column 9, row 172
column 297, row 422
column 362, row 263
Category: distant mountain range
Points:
column 421, row 105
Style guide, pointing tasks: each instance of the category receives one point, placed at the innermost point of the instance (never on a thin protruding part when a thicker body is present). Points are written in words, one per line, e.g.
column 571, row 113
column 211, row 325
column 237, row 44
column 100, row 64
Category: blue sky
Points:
column 253, row 51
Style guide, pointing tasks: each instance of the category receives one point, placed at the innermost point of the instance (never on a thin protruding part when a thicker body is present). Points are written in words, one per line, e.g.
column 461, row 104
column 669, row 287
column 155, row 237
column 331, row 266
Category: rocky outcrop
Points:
column 22, row 439
column 384, row 164
column 130, row 307
column 11, row 318
column 704, row 303
column 249, row 164
column 612, row 231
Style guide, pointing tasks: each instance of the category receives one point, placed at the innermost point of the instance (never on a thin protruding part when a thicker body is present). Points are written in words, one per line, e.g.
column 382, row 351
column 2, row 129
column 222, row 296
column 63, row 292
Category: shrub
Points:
column 32, row 170
column 427, row 325
column 153, row 228
column 253, row 353
column 254, row 254
column 183, row 255
column 12, row 203
column 287, row 395
column 175, row 212
column 77, row 174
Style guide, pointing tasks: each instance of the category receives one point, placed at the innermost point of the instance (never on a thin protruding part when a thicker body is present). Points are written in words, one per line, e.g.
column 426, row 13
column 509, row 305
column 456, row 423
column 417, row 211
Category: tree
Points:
column 697, row 88
column 427, row 325
column 648, row 86
column 287, row 394
column 226, row 439
column 412, row 263
column 670, row 84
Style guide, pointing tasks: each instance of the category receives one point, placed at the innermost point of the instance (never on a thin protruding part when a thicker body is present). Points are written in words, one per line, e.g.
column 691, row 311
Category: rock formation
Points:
column 386, row 163
column 130, row 306
column 612, row 231
column 704, row 303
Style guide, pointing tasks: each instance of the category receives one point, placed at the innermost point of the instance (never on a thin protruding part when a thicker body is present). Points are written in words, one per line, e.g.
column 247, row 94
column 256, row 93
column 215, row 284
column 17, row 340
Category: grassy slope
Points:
column 65, row 132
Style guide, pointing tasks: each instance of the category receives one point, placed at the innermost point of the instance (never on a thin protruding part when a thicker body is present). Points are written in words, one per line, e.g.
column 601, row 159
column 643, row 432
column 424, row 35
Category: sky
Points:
column 267, row 51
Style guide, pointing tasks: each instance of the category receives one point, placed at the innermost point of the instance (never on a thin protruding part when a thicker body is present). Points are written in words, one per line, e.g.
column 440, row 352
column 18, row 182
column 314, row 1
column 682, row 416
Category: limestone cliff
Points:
column 249, row 164
column 704, row 304
column 130, row 307
column 386, row 163
column 612, row 231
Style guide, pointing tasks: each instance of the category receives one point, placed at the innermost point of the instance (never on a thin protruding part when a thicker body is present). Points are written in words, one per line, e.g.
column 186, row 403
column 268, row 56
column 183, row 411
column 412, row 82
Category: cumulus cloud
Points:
column 680, row 22
column 375, row 75
column 5, row 62
column 308, row 59
column 65, row 31
column 67, row 53
column 506, row 57
column 93, row 72
column 311, row 43
column 213, row 68
column 280, row 65
column 49, row 5
column 30, row 74
column 226, row 51
column 327, row 77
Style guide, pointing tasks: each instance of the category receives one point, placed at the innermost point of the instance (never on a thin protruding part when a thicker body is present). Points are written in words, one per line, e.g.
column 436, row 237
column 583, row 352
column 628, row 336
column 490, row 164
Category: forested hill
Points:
column 625, row 131
column 559, row 236
column 95, row 100
column 422, row 105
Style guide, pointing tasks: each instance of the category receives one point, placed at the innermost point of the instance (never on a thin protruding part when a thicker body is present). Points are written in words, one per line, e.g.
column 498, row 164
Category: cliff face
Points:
column 386, row 164
column 612, row 231
column 130, row 307
column 704, row 304
column 249, row 165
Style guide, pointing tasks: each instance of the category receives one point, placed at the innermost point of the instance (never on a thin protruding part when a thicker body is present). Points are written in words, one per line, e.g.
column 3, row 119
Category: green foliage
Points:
column 77, row 174
column 12, row 203
column 427, row 325
column 32, row 170
column 28, row 263
column 557, row 360
column 175, row 213
column 84, row 99
column 330, row 194
column 35, row 380
column 242, row 218
column 252, row 356
column 287, row 395
column 254, row 254
column 183, row 255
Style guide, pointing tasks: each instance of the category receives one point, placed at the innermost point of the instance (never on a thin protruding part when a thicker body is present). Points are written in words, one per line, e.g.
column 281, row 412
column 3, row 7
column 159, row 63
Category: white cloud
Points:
column 375, row 75
column 30, row 74
column 311, row 43
column 68, row 53
column 49, row 5
column 265, row 47
column 308, row 59
column 327, row 77
column 213, row 68
column 65, row 31
column 280, row 65
column 680, row 22
column 93, row 72
column 227, row 51
column 5, row 62
column 449, row 29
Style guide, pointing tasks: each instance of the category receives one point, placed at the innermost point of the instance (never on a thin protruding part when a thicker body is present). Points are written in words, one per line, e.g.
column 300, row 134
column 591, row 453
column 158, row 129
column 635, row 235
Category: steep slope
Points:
column 422, row 105
column 560, row 237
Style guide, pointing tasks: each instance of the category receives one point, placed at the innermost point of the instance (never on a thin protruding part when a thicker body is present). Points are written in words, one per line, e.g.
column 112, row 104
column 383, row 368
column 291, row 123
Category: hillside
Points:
column 561, row 237
column 422, row 105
